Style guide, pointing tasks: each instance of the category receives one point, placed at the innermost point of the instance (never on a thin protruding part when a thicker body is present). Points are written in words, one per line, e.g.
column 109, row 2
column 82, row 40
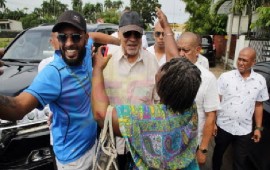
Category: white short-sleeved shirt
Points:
column 239, row 96
column 162, row 60
column 207, row 99
column 44, row 62
column 203, row 61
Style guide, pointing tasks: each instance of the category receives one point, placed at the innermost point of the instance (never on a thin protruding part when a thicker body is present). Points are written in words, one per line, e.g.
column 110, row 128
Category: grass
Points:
column 5, row 41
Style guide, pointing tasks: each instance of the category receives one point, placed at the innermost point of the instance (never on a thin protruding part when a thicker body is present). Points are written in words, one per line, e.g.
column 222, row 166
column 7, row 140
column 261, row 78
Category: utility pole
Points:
column 230, row 22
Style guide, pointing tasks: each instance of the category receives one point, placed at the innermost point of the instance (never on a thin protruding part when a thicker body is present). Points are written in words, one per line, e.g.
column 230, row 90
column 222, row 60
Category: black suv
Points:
column 25, row 144
column 259, row 154
column 208, row 49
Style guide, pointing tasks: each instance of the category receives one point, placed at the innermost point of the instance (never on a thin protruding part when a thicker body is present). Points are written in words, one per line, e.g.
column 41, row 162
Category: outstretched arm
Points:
column 103, row 38
column 171, row 49
column 100, row 100
column 1, row 64
column 15, row 108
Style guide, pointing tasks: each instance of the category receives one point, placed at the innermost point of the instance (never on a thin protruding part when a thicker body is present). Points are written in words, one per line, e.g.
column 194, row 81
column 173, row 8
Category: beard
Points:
column 74, row 62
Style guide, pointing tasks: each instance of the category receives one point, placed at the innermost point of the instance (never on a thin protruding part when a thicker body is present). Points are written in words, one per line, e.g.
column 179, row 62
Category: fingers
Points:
column 256, row 138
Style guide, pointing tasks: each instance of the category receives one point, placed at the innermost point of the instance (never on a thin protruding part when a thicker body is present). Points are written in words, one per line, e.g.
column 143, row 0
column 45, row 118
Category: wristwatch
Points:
column 204, row 151
column 259, row 128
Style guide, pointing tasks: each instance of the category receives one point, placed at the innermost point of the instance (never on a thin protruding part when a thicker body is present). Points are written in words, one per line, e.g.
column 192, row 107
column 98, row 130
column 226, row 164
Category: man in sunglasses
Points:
column 158, row 49
column 130, row 74
column 65, row 84
column 207, row 99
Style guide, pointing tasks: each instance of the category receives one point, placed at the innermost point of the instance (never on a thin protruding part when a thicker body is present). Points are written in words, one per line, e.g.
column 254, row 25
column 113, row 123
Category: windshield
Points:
column 32, row 45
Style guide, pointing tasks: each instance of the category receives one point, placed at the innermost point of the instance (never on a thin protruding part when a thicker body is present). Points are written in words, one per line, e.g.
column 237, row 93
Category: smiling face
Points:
column 131, row 43
column 245, row 61
column 72, row 51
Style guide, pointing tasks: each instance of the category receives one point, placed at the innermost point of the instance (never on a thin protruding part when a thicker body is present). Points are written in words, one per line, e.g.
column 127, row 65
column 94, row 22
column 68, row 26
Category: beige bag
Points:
column 106, row 154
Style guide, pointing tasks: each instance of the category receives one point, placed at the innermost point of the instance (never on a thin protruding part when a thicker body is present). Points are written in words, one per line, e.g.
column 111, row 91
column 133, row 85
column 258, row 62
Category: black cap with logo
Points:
column 70, row 17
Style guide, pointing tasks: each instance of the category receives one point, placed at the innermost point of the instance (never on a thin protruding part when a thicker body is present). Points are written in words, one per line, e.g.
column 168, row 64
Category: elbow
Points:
column 99, row 118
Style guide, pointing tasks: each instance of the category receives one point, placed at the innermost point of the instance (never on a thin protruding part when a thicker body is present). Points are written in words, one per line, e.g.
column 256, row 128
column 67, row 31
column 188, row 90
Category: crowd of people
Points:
column 167, row 104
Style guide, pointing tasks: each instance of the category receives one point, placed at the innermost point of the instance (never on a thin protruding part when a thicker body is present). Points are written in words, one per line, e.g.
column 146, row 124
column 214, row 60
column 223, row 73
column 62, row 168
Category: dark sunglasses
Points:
column 157, row 34
column 184, row 50
column 135, row 33
column 63, row 37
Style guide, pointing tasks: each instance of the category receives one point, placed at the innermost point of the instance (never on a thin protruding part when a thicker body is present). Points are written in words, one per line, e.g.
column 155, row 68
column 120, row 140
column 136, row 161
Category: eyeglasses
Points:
column 63, row 37
column 157, row 34
column 135, row 33
column 184, row 50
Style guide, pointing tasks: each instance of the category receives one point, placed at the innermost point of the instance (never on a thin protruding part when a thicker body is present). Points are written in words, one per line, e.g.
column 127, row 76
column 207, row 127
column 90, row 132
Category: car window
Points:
column 32, row 45
column 206, row 41
column 149, row 36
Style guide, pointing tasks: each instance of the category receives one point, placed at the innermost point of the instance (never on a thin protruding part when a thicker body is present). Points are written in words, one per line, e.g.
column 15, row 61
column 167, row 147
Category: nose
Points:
column 69, row 41
column 181, row 53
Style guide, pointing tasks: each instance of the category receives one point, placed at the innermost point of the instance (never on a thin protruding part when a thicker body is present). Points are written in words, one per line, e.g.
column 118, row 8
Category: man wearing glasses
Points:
column 207, row 99
column 129, row 76
column 158, row 49
column 65, row 84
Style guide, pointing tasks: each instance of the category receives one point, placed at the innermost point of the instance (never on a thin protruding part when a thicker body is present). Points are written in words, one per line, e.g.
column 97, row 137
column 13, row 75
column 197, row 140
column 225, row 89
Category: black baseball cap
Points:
column 70, row 17
column 130, row 21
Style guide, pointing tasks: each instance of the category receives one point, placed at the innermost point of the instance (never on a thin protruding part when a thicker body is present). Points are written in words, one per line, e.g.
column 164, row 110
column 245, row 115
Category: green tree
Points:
column 2, row 3
column 111, row 16
column 146, row 8
column 108, row 4
column 201, row 21
column 77, row 5
column 263, row 18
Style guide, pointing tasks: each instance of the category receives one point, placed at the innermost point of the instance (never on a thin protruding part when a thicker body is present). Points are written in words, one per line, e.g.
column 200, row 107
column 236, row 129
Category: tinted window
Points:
column 206, row 41
column 149, row 36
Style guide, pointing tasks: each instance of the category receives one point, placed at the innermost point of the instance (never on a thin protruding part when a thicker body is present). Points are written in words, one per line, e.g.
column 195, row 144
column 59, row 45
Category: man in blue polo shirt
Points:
column 65, row 84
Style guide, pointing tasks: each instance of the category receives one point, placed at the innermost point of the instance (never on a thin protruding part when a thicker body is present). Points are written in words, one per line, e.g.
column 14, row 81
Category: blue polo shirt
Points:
column 67, row 89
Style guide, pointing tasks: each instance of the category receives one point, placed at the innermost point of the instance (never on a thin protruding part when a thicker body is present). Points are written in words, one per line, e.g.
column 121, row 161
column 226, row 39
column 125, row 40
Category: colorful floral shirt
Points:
column 158, row 138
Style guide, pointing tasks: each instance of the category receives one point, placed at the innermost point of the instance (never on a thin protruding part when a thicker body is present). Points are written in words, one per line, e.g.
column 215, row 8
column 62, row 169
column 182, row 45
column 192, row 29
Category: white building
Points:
column 10, row 25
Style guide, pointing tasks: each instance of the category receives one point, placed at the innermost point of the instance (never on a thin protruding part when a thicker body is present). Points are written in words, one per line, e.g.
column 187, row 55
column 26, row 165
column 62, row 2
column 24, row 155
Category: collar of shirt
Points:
column 251, row 76
column 122, row 56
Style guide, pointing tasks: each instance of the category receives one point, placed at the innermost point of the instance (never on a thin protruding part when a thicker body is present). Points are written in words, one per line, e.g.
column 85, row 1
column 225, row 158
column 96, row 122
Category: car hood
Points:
column 16, row 78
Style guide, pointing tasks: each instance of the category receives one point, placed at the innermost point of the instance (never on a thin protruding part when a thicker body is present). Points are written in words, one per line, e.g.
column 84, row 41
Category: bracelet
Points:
column 169, row 34
column 259, row 128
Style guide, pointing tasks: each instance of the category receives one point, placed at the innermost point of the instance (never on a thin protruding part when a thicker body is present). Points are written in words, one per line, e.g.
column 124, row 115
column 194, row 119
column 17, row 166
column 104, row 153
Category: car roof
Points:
column 90, row 27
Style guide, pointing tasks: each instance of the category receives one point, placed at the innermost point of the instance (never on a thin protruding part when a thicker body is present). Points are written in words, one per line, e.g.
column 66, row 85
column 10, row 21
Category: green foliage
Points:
column 4, row 42
column 111, row 16
column 263, row 18
column 201, row 21
column 51, row 9
column 146, row 8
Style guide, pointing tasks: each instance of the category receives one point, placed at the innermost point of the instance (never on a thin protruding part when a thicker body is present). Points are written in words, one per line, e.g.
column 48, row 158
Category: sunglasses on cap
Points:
column 157, row 34
column 135, row 33
column 63, row 37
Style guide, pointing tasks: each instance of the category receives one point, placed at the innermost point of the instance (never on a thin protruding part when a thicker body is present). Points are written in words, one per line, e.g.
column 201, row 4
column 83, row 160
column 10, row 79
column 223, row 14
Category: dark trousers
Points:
column 125, row 161
column 240, row 145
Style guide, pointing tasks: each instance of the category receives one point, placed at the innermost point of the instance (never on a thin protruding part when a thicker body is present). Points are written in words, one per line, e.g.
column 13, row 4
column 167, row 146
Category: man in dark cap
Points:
column 130, row 74
column 64, row 84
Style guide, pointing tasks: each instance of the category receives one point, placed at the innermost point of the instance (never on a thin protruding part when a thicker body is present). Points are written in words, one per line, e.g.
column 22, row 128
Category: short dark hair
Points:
column 179, row 84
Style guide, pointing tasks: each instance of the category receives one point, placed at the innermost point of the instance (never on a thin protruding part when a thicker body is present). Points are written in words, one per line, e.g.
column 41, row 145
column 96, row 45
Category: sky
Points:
column 174, row 9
